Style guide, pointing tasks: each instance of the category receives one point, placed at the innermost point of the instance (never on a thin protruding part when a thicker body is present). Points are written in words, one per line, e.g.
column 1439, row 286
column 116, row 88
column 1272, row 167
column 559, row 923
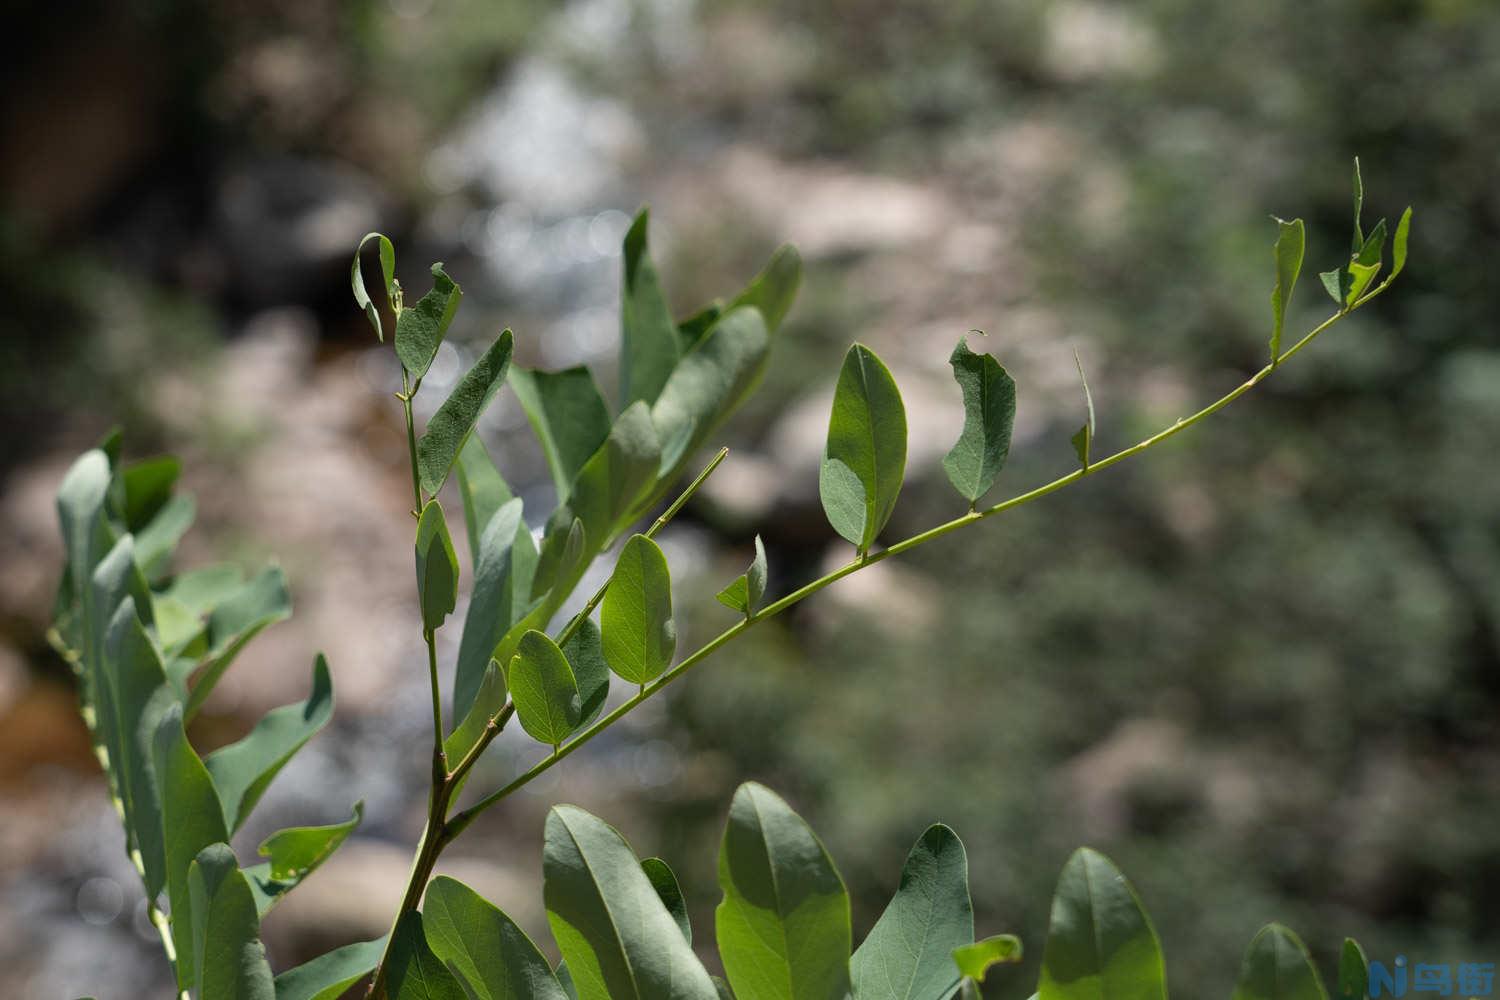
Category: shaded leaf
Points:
column 865, row 456
column 228, row 957
column 329, row 976
column 454, row 420
column 437, row 567
column 482, row 488
column 619, row 941
column 774, row 289
column 242, row 771
column 488, row 699
column 783, row 926
column 233, row 623
column 974, row 960
column 501, row 594
column 388, row 273
column 544, row 689
column 492, row 954
column 1359, row 204
column 670, row 893
column 147, row 487
column 618, row 475
column 568, row 415
column 745, row 593
column 420, row 328
column 636, row 616
column 1291, row 243
column 155, row 542
column 1100, row 943
column 1083, row 441
column 649, row 344
column 413, row 972
column 1278, row 967
column 909, row 953
column 585, row 653
column 989, row 416
column 1354, row 971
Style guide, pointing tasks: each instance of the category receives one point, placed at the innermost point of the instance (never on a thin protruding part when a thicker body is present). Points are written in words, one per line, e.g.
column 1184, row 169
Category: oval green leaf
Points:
column 1278, row 967
column 1291, row 243
column 636, row 617
column 989, row 417
column 488, row 949
column 1100, row 944
column 413, row 972
column 544, row 689
column 420, row 328
column 330, row 975
column 865, row 456
column 437, row 567
column 649, row 342
column 228, row 957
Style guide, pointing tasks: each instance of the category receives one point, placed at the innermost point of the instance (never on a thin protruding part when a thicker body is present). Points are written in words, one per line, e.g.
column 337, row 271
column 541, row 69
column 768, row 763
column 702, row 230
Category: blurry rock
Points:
column 1085, row 40
column 889, row 595
column 1104, row 777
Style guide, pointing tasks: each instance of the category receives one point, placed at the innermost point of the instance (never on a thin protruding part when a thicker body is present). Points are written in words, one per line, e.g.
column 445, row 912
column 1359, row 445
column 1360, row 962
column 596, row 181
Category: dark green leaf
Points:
column 413, row 972
column 228, row 957
column 1354, row 971
column 974, row 960
column 437, row 567
column 989, row 415
column 568, row 415
column 420, row 328
column 784, row 925
column 544, row 689
column 636, row 617
column 1278, row 967
column 1291, row 243
column 585, row 653
column 692, row 329
column 233, row 623
column 388, row 272
column 909, row 953
column 1100, row 944
column 147, row 486
column 670, row 894
column 329, row 976
column 242, row 771
column 495, row 957
column 482, row 488
column 451, row 425
column 501, row 595
column 617, row 477
column 191, row 820
column 619, row 941
column 865, row 457
column 745, row 593
column 1083, row 441
column 649, row 345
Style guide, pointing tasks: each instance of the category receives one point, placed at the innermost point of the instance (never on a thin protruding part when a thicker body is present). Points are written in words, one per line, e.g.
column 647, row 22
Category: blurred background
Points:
column 1259, row 667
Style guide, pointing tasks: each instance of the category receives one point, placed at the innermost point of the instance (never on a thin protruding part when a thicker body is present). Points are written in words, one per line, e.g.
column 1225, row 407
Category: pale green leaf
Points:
column 989, row 416
column 1291, row 243
column 1100, row 943
column 745, row 593
column 909, row 953
column 1359, row 204
column 1278, row 967
column 501, row 594
column 413, row 972
column 636, row 616
column 437, row 567
column 330, row 975
column 619, row 941
column 293, row 853
column 495, row 957
column 568, row 415
column 228, row 957
column 866, row 439
column 544, row 690
column 482, row 488
column 649, row 344
column 454, row 420
column 784, row 925
column 489, row 698
column 617, row 476
column 670, row 893
column 974, row 960
column 420, row 328
column 388, row 272
column 154, row 542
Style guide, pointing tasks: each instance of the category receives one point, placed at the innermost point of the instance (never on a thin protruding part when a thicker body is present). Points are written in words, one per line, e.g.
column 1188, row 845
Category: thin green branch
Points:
column 462, row 819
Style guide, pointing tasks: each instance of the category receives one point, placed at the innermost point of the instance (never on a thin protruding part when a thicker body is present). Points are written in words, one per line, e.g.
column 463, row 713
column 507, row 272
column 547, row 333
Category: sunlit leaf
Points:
column 454, row 420
column 495, row 957
column 228, row 957
column 636, row 616
column 420, row 327
column 989, row 416
column 616, row 477
column 974, row 960
column 501, row 593
column 1291, row 243
column 865, row 456
column 147, row 486
column 544, row 689
column 1278, row 967
column 233, row 623
column 775, row 288
column 1100, row 943
column 745, row 593
column 437, row 567
column 293, row 853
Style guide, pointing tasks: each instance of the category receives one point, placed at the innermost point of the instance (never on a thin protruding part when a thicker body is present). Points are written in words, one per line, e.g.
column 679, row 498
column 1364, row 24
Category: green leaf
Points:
column 989, row 415
column 501, row 594
column 1083, row 441
column 233, row 623
column 1354, row 971
column 413, row 972
column 420, row 328
column 1359, row 203
column 482, row 488
column 1291, row 243
column 585, row 653
column 487, row 948
column 228, row 956
column 974, row 960
column 561, row 559
column 488, row 699
column 619, row 941
column 155, row 542
column 775, row 288
column 649, row 345
column 293, row 853
column 242, row 771
column 454, row 420
column 1398, row 245
column 708, row 383
column 329, row 976
column 670, row 893
column 1374, row 246
column 909, row 953
column 745, row 593
column 692, row 329
column 865, row 456
column 388, row 272
column 784, row 925
column 437, row 567
column 1100, row 945
column 191, row 821
column 1278, row 967
column 618, row 475
column 544, row 690
column 568, row 415
column 636, row 617
column 147, row 487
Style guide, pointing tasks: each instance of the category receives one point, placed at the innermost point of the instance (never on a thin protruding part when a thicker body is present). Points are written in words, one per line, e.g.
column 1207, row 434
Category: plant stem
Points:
column 462, row 819
column 437, row 703
column 407, row 392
